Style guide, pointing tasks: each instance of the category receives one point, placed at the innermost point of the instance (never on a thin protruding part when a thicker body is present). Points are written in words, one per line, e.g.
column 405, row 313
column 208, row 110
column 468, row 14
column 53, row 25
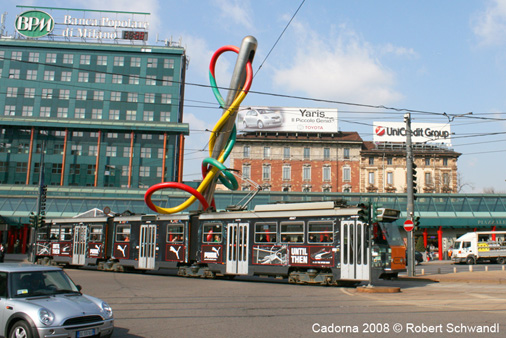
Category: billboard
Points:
column 287, row 119
column 421, row 132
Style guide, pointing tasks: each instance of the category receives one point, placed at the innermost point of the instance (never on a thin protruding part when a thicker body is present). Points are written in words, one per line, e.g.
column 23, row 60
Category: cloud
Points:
column 344, row 68
column 490, row 25
column 238, row 12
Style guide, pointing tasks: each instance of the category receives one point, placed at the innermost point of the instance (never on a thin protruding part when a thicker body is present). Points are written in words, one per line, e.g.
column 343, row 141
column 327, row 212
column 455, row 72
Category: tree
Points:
column 419, row 244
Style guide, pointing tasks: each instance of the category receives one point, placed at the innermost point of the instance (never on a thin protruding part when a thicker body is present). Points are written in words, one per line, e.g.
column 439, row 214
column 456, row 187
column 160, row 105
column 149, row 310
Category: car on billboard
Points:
column 260, row 118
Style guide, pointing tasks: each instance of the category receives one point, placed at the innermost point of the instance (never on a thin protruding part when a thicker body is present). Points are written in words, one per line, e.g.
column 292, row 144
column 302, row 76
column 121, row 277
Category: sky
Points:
column 372, row 60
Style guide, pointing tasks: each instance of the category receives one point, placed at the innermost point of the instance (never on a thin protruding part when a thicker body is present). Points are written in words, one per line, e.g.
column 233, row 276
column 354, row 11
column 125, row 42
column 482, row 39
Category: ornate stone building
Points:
column 383, row 168
column 298, row 162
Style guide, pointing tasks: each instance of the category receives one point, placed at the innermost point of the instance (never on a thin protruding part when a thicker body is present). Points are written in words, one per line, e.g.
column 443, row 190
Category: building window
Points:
column 428, row 179
column 96, row 114
column 45, row 112
column 152, row 63
column 371, row 160
column 115, row 96
column 167, row 80
column 62, row 112
column 326, row 174
column 98, row 95
column 48, row 75
column 266, row 172
column 12, row 91
column 151, row 80
column 371, row 178
column 144, row 171
column 145, row 152
column 92, row 151
column 346, row 174
column 102, row 60
column 76, row 149
column 390, row 178
column 91, row 169
column 307, row 153
column 14, row 73
column 165, row 116
column 287, row 173
column 126, row 152
column 326, row 154
column 246, row 152
column 10, row 110
column 306, row 173
column 68, row 58
column 83, row 77
column 119, row 61
column 167, row 98
column 149, row 98
column 85, row 60
column 286, row 153
column 64, row 94
column 390, row 161
column 132, row 97
column 267, row 152
column 51, row 58
column 80, row 113
column 131, row 115
column 29, row 93
column 427, row 161
column 100, row 78
column 66, row 76
column 446, row 179
column 81, row 95
column 110, row 151
column 27, row 111
column 33, row 57
column 168, row 63
column 246, row 171
column 47, row 93
column 148, row 116
column 31, row 74
column 346, row 153
column 135, row 62
column 21, row 167
column 113, row 114
column 133, row 79
column 17, row 56
column 445, row 161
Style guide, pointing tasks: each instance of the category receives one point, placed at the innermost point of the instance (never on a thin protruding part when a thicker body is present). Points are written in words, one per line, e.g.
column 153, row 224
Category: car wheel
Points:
column 260, row 124
column 20, row 330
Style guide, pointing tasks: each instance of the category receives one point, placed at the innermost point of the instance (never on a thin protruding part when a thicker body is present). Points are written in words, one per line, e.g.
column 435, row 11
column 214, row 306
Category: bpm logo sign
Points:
column 34, row 24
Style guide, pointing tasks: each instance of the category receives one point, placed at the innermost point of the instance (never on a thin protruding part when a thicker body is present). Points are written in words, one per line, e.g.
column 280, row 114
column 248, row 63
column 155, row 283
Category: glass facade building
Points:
column 107, row 115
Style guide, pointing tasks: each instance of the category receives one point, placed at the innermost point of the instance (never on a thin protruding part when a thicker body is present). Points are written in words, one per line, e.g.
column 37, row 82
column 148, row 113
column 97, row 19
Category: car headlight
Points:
column 107, row 310
column 46, row 317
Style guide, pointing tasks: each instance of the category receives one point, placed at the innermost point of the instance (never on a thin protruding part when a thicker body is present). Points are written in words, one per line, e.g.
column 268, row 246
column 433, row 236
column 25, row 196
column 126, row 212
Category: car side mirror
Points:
column 79, row 287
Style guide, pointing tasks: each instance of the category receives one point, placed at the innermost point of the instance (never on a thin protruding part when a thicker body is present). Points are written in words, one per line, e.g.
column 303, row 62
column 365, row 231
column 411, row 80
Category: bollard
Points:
column 470, row 268
column 486, row 267
column 454, row 270
column 423, row 272
column 438, row 271
column 503, row 268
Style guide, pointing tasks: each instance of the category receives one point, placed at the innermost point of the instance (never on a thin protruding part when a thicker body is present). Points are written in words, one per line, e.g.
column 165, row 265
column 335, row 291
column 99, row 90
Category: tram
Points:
column 307, row 243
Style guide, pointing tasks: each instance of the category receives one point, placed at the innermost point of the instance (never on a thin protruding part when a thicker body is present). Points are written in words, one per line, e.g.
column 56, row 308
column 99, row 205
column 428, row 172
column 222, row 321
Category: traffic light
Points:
column 43, row 198
column 416, row 222
column 414, row 180
column 41, row 221
column 363, row 213
column 33, row 220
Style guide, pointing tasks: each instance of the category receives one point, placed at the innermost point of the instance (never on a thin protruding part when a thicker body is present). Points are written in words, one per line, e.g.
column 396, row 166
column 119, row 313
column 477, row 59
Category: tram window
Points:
column 292, row 232
column 266, row 232
column 123, row 233
column 66, row 233
column 320, row 232
column 175, row 233
column 54, row 233
column 42, row 234
column 96, row 233
column 212, row 233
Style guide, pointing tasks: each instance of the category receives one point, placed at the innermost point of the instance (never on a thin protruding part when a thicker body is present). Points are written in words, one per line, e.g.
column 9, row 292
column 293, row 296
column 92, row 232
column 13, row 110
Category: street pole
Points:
column 39, row 211
column 410, row 196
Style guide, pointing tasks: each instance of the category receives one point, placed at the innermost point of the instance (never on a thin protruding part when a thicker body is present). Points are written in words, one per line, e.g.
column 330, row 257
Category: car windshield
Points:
column 266, row 112
column 40, row 283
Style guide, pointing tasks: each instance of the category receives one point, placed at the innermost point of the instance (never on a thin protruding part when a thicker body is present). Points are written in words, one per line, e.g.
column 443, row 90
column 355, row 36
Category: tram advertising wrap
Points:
column 307, row 243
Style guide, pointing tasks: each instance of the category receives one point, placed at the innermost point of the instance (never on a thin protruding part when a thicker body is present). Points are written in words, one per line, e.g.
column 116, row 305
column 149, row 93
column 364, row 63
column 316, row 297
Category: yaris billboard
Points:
column 420, row 132
column 287, row 119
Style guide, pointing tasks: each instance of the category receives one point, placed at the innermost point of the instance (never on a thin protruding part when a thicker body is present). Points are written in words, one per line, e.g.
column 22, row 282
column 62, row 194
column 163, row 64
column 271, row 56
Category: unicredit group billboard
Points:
column 287, row 119
column 421, row 132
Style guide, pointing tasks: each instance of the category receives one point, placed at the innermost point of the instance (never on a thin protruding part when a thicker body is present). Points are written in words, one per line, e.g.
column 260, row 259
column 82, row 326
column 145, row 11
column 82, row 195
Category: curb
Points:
column 378, row 289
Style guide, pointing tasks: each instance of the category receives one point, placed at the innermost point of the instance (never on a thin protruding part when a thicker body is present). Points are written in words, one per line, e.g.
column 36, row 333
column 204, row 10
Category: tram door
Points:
column 354, row 250
column 79, row 245
column 147, row 246
column 237, row 248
